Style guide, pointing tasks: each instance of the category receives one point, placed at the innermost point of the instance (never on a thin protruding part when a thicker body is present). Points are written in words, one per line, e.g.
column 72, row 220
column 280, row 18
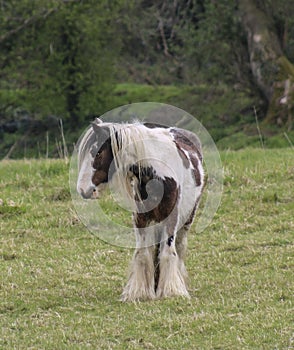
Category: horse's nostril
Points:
column 87, row 194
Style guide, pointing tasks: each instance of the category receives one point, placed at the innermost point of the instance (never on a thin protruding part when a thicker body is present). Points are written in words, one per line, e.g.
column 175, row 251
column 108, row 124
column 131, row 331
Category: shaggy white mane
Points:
column 135, row 144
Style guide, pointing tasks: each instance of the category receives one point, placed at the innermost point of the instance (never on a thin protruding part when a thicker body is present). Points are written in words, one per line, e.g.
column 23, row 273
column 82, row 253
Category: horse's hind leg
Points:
column 172, row 275
column 181, row 248
column 140, row 285
column 182, row 242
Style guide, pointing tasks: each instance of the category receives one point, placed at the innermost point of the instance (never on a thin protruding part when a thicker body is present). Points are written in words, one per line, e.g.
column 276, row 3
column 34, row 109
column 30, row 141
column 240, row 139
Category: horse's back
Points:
column 189, row 139
column 182, row 137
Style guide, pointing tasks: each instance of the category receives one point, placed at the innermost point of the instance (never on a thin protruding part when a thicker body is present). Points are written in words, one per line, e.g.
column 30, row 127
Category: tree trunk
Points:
column 272, row 71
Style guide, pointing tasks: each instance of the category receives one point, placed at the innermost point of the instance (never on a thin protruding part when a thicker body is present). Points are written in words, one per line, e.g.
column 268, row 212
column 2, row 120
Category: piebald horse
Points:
column 159, row 171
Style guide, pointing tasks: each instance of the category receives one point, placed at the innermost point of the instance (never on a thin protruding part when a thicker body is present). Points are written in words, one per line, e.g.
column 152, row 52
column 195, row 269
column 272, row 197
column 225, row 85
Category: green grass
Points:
column 60, row 286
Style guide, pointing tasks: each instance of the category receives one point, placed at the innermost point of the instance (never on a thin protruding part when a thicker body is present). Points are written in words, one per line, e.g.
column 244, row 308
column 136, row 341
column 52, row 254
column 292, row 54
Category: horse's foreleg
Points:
column 140, row 285
column 172, row 273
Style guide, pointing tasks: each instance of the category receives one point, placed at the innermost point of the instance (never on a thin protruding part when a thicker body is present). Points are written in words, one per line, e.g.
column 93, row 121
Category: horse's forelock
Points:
column 85, row 146
column 98, row 133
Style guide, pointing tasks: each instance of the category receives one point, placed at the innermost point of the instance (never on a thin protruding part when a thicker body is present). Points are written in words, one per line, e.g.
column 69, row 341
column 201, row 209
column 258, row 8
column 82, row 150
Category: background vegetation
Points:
column 70, row 60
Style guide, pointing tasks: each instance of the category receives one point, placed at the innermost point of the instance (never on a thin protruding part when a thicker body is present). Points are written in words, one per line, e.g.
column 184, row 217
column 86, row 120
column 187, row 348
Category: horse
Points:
column 159, row 171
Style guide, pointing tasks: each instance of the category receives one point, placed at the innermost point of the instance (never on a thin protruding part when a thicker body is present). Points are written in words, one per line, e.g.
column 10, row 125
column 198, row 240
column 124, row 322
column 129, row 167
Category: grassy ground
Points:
column 60, row 286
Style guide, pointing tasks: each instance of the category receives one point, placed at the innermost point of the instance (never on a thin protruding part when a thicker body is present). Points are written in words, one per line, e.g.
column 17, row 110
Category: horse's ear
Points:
column 100, row 131
column 98, row 121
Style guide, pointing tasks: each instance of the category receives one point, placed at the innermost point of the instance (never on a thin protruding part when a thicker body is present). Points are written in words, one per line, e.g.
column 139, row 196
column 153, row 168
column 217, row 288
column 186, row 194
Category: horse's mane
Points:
column 128, row 145
column 129, row 149
column 142, row 147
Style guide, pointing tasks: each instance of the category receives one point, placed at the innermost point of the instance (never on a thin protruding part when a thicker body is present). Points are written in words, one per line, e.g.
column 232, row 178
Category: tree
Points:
column 58, row 56
column 187, row 41
column 272, row 71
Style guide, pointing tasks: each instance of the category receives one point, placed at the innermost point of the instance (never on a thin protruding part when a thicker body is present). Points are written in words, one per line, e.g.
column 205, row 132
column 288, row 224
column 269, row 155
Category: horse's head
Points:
column 95, row 160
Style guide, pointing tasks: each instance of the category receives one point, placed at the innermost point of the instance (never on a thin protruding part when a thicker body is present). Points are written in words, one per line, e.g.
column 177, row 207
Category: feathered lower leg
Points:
column 171, row 277
column 141, row 285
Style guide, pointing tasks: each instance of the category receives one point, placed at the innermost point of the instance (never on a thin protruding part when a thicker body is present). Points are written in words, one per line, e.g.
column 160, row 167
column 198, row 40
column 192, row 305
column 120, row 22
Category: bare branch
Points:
column 162, row 34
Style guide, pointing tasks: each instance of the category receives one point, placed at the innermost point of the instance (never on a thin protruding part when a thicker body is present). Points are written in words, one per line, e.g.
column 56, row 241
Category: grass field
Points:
column 60, row 285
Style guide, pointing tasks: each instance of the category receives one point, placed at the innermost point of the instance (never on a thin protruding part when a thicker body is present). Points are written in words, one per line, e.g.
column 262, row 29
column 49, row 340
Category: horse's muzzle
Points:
column 91, row 193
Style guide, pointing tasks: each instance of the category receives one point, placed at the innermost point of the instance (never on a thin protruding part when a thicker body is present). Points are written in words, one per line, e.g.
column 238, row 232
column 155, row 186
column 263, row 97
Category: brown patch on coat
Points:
column 164, row 208
column 187, row 141
column 196, row 172
column 101, row 164
column 156, row 262
column 184, row 157
column 183, row 143
column 154, row 126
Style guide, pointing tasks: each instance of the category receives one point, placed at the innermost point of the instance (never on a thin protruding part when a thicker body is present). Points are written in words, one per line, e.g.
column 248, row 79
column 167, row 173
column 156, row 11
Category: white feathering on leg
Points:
column 171, row 280
column 140, row 285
